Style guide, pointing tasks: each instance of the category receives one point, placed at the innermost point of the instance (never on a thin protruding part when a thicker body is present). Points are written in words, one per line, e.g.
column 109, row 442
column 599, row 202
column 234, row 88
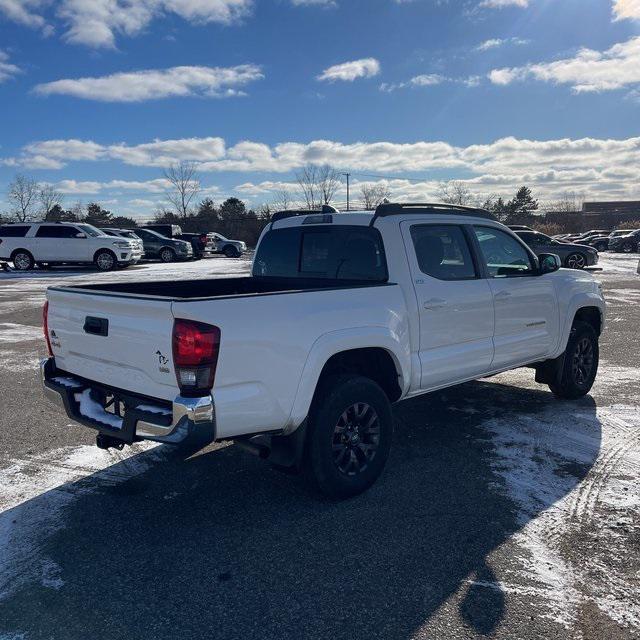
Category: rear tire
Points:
column 350, row 428
column 167, row 255
column 580, row 363
column 22, row 260
column 105, row 260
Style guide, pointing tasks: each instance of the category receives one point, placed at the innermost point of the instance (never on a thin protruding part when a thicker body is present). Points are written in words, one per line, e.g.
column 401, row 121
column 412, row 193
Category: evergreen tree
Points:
column 97, row 216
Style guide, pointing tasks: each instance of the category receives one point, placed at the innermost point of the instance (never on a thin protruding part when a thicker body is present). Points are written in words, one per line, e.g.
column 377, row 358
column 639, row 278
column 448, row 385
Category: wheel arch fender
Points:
column 335, row 342
column 577, row 303
column 102, row 250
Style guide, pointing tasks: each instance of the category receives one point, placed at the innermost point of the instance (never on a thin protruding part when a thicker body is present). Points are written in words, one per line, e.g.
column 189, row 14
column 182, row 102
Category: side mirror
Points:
column 549, row 262
column 81, row 235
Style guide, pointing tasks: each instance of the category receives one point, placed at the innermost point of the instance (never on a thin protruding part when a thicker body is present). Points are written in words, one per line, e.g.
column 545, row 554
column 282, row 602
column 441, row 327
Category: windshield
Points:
column 129, row 234
column 219, row 236
column 90, row 230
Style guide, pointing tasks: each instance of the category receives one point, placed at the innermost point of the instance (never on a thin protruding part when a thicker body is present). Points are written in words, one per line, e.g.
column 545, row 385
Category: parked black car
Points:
column 627, row 243
column 163, row 248
column 573, row 256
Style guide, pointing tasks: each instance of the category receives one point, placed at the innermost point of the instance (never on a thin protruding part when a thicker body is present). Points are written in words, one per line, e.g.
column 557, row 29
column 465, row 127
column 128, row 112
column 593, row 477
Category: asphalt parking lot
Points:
column 502, row 513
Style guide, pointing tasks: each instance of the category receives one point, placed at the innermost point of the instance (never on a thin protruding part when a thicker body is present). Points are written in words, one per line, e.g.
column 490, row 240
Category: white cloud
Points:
column 96, row 23
column 7, row 70
column 428, row 80
column 314, row 3
column 501, row 4
column 160, row 185
column 504, row 160
column 587, row 71
column 23, row 12
column 136, row 86
column 494, row 43
column 350, row 71
column 601, row 167
column 626, row 9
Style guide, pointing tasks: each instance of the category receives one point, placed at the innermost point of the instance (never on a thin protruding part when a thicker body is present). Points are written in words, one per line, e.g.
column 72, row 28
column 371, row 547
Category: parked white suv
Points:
column 54, row 243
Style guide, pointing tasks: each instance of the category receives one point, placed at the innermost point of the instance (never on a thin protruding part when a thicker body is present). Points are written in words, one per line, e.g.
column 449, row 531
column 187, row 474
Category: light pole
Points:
column 347, row 176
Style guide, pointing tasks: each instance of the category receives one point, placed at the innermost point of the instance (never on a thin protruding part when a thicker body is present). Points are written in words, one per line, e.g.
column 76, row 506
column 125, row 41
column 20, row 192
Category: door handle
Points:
column 503, row 295
column 434, row 303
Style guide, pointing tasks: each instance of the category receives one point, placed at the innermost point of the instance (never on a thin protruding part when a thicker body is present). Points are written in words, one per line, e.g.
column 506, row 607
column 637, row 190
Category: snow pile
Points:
column 93, row 410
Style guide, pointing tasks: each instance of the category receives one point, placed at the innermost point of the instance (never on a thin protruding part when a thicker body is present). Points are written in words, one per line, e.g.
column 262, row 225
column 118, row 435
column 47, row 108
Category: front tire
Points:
column 350, row 428
column 580, row 363
column 105, row 260
column 576, row 261
column 627, row 247
column 168, row 255
column 231, row 252
column 22, row 260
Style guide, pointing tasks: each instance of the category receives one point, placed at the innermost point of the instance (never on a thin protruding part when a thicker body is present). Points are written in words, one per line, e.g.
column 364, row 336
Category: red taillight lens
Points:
column 45, row 326
column 195, row 355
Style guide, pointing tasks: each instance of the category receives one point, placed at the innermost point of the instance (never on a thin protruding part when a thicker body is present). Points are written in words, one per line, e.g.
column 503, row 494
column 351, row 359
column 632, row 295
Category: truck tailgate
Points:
column 123, row 342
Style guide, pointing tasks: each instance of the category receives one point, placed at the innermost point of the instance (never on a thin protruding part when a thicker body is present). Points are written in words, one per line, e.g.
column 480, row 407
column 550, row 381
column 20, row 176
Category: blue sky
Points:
column 99, row 95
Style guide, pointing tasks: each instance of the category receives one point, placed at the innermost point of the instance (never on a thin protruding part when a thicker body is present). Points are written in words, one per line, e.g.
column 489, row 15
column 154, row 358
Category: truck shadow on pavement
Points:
column 222, row 546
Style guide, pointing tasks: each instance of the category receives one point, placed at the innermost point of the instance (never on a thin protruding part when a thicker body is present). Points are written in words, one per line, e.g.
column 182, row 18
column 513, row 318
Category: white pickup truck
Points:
column 343, row 315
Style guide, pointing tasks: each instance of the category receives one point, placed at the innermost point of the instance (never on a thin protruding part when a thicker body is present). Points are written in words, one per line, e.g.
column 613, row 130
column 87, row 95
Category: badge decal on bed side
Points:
column 163, row 361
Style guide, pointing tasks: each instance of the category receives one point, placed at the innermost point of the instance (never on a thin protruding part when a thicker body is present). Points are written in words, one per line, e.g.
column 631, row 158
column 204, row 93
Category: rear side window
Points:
column 337, row 252
column 14, row 231
column 443, row 252
column 56, row 231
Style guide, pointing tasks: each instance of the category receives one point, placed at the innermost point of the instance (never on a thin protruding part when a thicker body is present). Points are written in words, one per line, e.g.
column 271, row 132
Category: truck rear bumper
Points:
column 137, row 418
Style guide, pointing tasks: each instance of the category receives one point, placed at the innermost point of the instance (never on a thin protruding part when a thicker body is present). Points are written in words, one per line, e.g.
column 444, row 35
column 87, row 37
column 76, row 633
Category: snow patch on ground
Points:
column 34, row 493
column 540, row 458
column 12, row 332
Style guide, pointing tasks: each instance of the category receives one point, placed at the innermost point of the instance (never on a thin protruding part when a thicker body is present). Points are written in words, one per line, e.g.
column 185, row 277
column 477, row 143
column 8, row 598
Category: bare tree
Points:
column 307, row 178
column 22, row 195
column 328, row 181
column 48, row 198
column 568, row 202
column 455, row 192
column 374, row 194
column 282, row 200
column 185, row 186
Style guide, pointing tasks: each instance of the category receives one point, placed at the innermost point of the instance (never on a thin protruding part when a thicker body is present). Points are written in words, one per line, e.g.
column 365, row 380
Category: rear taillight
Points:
column 45, row 326
column 195, row 356
column 203, row 238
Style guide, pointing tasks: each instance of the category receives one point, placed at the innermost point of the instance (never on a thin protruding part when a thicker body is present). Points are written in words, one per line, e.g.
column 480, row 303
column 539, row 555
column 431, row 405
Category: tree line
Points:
column 315, row 185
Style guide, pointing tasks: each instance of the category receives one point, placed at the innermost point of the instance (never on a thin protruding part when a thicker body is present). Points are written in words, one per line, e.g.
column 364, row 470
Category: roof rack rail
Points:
column 400, row 208
column 290, row 213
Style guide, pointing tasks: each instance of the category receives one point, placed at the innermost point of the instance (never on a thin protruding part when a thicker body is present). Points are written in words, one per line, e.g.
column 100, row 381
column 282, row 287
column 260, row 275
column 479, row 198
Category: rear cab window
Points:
column 337, row 252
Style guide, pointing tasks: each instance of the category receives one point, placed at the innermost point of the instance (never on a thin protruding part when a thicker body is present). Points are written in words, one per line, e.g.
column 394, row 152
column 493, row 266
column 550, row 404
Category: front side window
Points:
column 503, row 255
column 57, row 231
column 443, row 252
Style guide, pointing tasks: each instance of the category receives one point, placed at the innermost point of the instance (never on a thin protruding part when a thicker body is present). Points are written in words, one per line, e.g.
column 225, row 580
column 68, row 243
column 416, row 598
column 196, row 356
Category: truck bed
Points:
column 217, row 287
